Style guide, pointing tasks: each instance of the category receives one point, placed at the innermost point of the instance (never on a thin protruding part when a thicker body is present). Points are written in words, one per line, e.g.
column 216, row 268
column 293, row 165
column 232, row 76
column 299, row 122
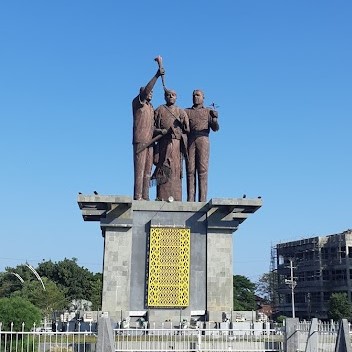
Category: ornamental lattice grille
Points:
column 169, row 260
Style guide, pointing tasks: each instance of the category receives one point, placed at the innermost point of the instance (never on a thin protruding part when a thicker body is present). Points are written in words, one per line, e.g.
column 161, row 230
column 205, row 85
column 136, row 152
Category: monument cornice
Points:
column 223, row 214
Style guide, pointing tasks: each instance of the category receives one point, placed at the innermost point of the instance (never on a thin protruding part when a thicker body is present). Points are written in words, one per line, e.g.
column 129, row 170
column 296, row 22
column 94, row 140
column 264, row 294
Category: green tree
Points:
column 18, row 310
column 65, row 280
column 266, row 287
column 48, row 300
column 339, row 306
column 280, row 319
column 96, row 291
column 10, row 283
column 68, row 275
column 243, row 293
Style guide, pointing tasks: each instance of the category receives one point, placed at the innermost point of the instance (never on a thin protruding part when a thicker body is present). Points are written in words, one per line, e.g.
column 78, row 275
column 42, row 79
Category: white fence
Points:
column 46, row 341
column 319, row 337
column 179, row 340
column 153, row 340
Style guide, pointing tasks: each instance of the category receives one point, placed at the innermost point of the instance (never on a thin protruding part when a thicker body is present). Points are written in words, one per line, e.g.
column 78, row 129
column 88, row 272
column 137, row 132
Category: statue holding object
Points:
column 160, row 136
column 143, row 131
column 201, row 120
column 171, row 121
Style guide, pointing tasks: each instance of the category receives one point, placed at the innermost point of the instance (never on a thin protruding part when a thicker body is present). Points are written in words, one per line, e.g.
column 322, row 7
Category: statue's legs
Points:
column 191, row 170
column 172, row 188
column 202, row 162
column 147, row 173
column 170, row 158
column 142, row 169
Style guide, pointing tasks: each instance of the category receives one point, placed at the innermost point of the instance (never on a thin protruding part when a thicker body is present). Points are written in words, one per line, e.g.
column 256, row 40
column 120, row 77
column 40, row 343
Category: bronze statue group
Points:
column 167, row 136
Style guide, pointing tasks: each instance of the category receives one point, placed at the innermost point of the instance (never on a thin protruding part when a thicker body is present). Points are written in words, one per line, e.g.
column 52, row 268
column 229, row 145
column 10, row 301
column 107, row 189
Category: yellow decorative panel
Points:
column 169, row 261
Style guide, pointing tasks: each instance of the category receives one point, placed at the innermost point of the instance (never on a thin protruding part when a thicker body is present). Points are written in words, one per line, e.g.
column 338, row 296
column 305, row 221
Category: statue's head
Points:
column 198, row 97
column 149, row 96
column 170, row 96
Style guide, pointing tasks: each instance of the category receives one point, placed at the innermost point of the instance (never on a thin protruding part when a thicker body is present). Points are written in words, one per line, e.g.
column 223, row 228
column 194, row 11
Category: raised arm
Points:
column 145, row 91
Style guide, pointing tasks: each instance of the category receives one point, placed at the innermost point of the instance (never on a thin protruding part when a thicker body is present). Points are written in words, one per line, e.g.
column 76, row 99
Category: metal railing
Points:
column 36, row 340
column 145, row 339
column 69, row 337
column 180, row 340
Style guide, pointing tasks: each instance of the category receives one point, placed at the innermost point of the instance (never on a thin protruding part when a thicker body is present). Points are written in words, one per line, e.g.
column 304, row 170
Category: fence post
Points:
column 105, row 341
column 291, row 335
column 199, row 340
column 312, row 339
column 343, row 343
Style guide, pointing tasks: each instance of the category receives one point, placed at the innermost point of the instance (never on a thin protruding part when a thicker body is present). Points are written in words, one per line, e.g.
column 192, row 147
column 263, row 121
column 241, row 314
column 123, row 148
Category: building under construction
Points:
column 310, row 270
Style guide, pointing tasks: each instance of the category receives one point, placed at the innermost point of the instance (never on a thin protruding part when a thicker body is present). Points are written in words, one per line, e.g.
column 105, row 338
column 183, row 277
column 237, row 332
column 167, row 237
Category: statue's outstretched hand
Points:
column 214, row 114
column 161, row 72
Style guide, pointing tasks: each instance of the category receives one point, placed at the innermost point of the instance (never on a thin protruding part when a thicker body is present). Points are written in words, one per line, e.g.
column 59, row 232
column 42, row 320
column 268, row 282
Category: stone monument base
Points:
column 167, row 261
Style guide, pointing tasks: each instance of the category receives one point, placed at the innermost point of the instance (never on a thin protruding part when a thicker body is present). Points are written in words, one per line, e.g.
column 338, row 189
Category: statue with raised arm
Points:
column 201, row 120
column 172, row 122
column 143, row 130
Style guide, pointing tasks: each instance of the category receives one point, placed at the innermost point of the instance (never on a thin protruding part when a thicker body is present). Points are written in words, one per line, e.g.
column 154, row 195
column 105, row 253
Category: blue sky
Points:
column 280, row 72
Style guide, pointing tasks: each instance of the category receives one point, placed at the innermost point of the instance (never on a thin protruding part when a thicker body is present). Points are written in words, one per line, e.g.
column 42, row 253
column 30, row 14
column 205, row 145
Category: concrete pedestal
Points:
column 125, row 226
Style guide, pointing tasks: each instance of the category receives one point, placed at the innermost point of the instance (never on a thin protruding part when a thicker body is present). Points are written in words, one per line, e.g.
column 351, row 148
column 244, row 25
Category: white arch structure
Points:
column 36, row 274
column 18, row 277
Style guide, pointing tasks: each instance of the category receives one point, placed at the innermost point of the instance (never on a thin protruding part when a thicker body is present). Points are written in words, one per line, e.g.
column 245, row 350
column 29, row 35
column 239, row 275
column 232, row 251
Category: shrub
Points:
column 17, row 310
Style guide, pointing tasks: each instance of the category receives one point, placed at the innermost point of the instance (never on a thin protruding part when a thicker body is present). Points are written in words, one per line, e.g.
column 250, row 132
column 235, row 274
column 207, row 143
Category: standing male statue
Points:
column 143, row 129
column 170, row 148
column 201, row 120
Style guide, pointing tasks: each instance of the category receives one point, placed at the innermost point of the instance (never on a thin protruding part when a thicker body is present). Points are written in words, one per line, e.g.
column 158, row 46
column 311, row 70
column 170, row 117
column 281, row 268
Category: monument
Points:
column 170, row 148
column 143, row 130
column 168, row 260
column 201, row 120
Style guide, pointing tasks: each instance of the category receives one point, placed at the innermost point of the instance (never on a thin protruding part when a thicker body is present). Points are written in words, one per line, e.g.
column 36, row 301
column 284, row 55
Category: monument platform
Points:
column 167, row 261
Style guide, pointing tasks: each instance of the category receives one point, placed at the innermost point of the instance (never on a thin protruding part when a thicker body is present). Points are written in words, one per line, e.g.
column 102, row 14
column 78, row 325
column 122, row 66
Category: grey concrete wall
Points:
column 138, row 265
column 219, row 274
column 125, row 262
column 291, row 342
column 117, row 273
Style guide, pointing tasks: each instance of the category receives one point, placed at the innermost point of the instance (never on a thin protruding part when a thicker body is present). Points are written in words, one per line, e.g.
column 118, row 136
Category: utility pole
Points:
column 292, row 284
